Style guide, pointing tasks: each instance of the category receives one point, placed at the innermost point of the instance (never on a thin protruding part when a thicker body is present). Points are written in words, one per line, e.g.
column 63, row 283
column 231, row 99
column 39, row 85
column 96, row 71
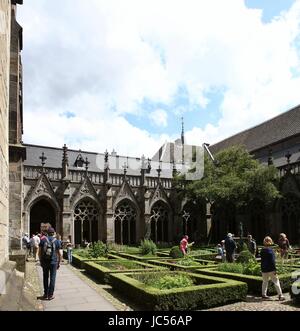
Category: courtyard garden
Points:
column 163, row 279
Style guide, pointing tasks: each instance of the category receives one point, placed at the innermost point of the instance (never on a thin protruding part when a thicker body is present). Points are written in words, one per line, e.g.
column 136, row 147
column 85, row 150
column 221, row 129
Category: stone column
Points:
column 147, row 226
column 67, row 222
column 110, row 229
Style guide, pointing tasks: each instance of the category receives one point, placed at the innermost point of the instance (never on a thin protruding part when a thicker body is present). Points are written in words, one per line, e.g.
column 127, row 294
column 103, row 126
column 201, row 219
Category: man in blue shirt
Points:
column 50, row 257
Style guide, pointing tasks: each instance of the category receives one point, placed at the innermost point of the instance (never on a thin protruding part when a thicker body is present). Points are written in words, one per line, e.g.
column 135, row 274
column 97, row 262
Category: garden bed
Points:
column 78, row 261
column 182, row 264
column 254, row 282
column 204, row 292
column 101, row 270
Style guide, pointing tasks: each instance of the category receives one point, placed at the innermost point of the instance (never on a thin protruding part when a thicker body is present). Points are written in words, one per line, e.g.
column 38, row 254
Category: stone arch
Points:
column 125, row 222
column 86, row 220
column 42, row 210
column 160, row 221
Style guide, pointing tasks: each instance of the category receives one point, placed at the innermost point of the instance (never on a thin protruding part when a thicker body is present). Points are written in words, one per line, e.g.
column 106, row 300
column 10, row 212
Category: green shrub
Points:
column 187, row 261
column 98, row 249
column 176, row 253
column 173, row 281
column 245, row 257
column 236, row 268
column 252, row 268
column 147, row 247
column 241, row 247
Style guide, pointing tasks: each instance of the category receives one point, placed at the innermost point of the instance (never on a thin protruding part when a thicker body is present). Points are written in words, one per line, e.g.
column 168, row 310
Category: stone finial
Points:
column 43, row 159
column 270, row 157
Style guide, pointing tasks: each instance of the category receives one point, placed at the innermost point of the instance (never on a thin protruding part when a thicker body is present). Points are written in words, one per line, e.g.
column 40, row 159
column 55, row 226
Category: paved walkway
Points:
column 253, row 303
column 73, row 294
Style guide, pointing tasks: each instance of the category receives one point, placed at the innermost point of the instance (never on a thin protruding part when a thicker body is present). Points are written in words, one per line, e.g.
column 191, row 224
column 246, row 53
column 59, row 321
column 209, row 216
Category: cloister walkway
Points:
column 74, row 294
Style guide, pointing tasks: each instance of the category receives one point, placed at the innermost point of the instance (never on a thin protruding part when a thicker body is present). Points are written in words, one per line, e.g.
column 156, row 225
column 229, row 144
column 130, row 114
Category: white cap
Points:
column 229, row 234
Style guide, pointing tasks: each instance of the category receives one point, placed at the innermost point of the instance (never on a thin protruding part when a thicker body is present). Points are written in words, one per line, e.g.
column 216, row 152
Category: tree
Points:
column 236, row 178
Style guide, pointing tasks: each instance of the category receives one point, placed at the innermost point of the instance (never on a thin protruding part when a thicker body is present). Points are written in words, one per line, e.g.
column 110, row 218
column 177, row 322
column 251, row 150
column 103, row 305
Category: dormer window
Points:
column 79, row 163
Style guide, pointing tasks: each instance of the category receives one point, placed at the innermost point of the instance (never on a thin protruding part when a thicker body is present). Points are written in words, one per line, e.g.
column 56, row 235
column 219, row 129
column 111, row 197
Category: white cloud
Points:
column 159, row 117
column 101, row 60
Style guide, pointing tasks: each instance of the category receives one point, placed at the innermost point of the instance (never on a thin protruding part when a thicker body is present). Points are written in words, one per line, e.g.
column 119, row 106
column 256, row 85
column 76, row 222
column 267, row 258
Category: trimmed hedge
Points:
column 139, row 257
column 78, row 261
column 102, row 273
column 254, row 282
column 173, row 266
column 210, row 292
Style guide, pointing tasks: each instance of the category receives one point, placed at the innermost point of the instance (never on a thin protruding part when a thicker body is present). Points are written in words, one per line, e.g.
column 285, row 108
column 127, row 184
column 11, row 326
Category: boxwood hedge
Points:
column 210, row 292
column 102, row 273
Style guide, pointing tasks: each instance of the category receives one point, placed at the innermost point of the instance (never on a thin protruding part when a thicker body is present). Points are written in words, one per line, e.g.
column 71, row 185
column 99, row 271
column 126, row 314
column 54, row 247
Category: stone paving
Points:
column 74, row 294
column 257, row 304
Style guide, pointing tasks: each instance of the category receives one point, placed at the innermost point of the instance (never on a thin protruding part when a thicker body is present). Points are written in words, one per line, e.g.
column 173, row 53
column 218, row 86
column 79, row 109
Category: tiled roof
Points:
column 277, row 129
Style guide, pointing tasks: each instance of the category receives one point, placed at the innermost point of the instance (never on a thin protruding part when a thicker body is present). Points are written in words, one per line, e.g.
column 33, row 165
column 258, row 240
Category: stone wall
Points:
column 4, row 108
column 16, row 150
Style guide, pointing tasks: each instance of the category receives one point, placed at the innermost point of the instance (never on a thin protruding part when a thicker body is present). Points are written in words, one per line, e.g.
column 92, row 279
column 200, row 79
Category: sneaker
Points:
column 265, row 297
column 281, row 298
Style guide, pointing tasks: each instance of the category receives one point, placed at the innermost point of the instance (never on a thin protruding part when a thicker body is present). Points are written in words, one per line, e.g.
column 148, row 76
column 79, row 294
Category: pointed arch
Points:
column 125, row 222
column 160, row 221
column 125, row 193
column 86, row 220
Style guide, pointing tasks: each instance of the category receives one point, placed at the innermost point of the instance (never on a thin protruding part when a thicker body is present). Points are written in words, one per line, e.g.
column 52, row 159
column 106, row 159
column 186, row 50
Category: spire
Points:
column 182, row 138
column 182, row 131
column 43, row 159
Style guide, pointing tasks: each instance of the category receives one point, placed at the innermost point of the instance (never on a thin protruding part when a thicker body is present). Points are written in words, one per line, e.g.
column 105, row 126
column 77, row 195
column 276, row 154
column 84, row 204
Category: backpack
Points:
column 48, row 249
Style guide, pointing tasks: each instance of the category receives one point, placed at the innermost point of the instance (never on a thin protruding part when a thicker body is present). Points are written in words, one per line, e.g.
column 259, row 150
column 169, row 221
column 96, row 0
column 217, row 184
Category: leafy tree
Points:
column 236, row 178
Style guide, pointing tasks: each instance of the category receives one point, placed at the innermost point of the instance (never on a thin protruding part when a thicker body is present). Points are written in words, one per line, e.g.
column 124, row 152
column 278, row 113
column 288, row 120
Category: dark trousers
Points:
column 230, row 257
column 49, row 270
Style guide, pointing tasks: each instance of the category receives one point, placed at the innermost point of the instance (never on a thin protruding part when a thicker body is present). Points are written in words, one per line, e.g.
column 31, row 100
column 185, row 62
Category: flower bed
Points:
column 199, row 293
column 140, row 257
column 78, row 261
column 254, row 282
column 101, row 270
column 182, row 264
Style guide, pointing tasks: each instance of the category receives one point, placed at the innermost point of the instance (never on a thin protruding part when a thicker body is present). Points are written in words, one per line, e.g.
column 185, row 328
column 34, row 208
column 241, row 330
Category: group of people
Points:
column 227, row 248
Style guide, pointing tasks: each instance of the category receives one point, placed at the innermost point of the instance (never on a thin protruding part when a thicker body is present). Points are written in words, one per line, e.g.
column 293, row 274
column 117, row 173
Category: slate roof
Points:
column 265, row 134
column 54, row 160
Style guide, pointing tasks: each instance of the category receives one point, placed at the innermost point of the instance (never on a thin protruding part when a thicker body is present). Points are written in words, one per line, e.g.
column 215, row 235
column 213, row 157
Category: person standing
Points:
column 284, row 245
column 268, row 269
column 35, row 242
column 230, row 247
column 26, row 245
column 184, row 244
column 251, row 245
column 69, row 250
column 50, row 257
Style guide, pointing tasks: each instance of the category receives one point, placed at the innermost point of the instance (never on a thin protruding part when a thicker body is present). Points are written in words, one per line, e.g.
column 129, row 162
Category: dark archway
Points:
column 159, row 222
column 86, row 216
column 125, row 223
column 290, row 217
column 223, row 221
column 41, row 212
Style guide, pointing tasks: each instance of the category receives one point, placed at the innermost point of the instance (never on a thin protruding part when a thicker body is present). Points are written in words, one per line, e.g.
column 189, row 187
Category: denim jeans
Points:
column 49, row 269
column 69, row 255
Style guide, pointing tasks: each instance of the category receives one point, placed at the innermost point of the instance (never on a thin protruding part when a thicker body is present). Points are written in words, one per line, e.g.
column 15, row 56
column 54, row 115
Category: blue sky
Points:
column 151, row 62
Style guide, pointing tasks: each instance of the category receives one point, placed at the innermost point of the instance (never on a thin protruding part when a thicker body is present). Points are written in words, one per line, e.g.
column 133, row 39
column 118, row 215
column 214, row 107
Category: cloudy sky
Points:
column 116, row 74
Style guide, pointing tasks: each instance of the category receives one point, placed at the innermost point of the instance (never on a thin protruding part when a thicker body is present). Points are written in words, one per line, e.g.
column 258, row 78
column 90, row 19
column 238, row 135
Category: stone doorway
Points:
column 41, row 212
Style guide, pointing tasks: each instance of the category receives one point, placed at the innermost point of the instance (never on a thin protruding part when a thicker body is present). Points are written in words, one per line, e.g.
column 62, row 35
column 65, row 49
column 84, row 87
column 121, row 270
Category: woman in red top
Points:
column 184, row 244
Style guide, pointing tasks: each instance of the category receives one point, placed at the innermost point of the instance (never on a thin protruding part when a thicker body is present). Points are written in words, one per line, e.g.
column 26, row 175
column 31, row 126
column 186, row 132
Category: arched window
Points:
column 125, row 223
column 159, row 222
column 86, row 216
